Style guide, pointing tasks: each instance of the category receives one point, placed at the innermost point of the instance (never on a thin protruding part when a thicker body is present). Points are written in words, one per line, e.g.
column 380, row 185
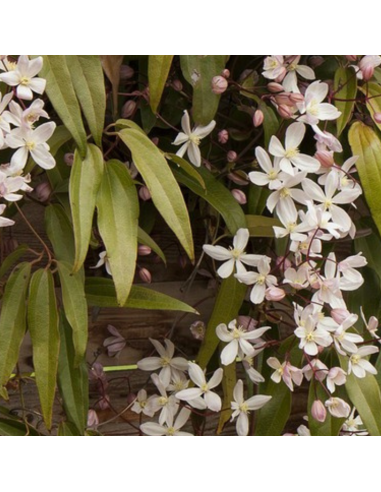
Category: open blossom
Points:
column 344, row 342
column 336, row 377
column 359, row 364
column 18, row 116
column 241, row 408
column 354, row 425
column 338, row 408
column 169, row 428
column 103, row 260
column 4, row 125
column 289, row 374
column 311, row 337
column 286, row 193
column 24, row 77
column 235, row 256
column 313, row 110
column 290, row 155
column 272, row 174
column 9, row 186
column 290, row 82
column 190, row 139
column 316, row 370
column 351, row 279
column 168, row 405
column 237, row 339
column 143, row 404
column 274, row 67
column 371, row 325
column 4, row 222
column 202, row 397
column 168, row 364
column 261, row 281
column 365, row 68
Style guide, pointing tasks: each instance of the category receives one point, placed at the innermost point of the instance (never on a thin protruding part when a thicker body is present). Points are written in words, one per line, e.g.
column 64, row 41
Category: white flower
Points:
column 352, row 279
column 242, row 408
column 338, row 408
column 4, row 125
column 286, row 194
column 237, row 339
column 359, row 365
column 169, row 428
column 17, row 116
column 10, row 185
column 336, row 377
column 298, row 279
column 274, row 67
column 311, row 338
column 290, row 155
column 260, row 280
column 103, row 260
column 234, row 257
column 202, row 397
column 271, row 176
column 4, row 222
column 344, row 342
column 143, row 404
column 313, row 109
column 167, row 404
column 168, row 364
column 315, row 369
column 352, row 425
column 371, row 325
column 191, row 139
column 254, row 376
column 288, row 215
column 24, row 77
column 290, row 82
column 285, row 371
column 31, row 141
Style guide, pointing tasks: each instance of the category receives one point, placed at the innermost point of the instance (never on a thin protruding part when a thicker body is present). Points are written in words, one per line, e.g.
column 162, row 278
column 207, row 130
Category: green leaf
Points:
column 187, row 167
column 61, row 93
column 217, row 195
column 75, row 306
column 260, row 226
column 67, row 429
column 85, row 181
column 118, row 215
column 165, row 191
column 145, row 239
column 257, row 198
column 60, row 233
column 366, row 397
column 10, row 427
column 43, row 328
column 345, row 87
column 122, row 124
column 199, row 71
column 88, row 81
column 111, row 65
column 229, row 382
column 12, row 258
column 366, row 144
column 372, row 91
column 73, row 380
column 228, row 303
column 13, row 321
column 100, row 292
column 332, row 425
column 158, row 71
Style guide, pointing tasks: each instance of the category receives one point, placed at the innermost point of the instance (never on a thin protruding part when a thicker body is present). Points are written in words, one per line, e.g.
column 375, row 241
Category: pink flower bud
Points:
column 43, row 191
column 126, row 72
column 340, row 315
column 351, row 58
column 144, row 250
column 367, row 73
column 285, row 263
column 232, row 156
column 373, row 324
column 223, row 137
column 145, row 275
column 155, row 141
column 296, row 98
column 316, row 61
column 285, row 112
column 239, row 196
column 239, row 178
column 325, row 158
column 275, row 294
column 258, row 118
column 274, row 87
column 219, row 84
column 377, row 117
column 248, row 323
column 284, row 99
column 177, row 85
column 318, row 411
column 92, row 419
column 129, row 109
column 198, row 330
column 69, row 159
column 131, row 397
column 183, row 261
column 225, row 73
column 145, row 194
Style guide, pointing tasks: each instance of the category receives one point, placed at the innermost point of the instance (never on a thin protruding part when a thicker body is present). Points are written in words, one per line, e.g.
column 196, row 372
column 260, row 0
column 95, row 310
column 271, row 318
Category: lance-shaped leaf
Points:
column 87, row 77
column 187, row 167
column 85, row 180
column 217, row 195
column 13, row 321
column 60, row 233
column 12, row 258
column 199, row 71
column 10, row 427
column 60, row 89
column 75, row 306
column 366, row 144
column 147, row 240
column 165, row 191
column 260, row 226
column 345, row 87
column 111, row 65
column 372, row 91
column 158, row 70
column 100, row 292
column 43, row 328
column 73, row 380
column 118, row 214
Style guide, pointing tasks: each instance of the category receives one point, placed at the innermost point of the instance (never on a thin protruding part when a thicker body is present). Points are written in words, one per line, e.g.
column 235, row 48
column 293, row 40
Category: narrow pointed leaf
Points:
column 85, row 180
column 345, row 87
column 260, row 226
column 187, row 167
column 12, row 258
column 145, row 239
column 165, row 191
column 372, row 91
column 118, row 214
column 111, row 65
column 43, row 328
column 13, row 321
column 158, row 71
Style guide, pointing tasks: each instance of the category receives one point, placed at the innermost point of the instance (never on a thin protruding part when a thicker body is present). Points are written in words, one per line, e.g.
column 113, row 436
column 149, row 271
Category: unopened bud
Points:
column 295, row 97
column 275, row 294
column 43, row 192
column 377, row 117
column 177, row 85
column 232, row 156
column 144, row 250
column 155, row 141
column 339, row 315
column 145, row 194
column 283, row 263
column 247, row 322
column 274, row 87
column 129, row 109
column 367, row 72
column 223, row 137
column 351, row 58
column 316, row 61
column 225, row 73
column 285, row 112
column 258, row 118
column 126, row 72
column 183, row 261
column 239, row 196
column 373, row 324
column 145, row 275
column 284, row 99
column 219, row 84
column 69, row 159
column 318, row 411
column 131, row 397
column 92, row 419
column 325, row 158
column 239, row 178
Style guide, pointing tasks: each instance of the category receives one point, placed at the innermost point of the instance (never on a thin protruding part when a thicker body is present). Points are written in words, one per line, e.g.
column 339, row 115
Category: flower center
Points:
column 261, row 279
column 291, row 153
column 24, row 80
column 171, row 431
column 163, row 401
column 205, row 388
column 313, row 108
column 165, row 361
column 355, row 359
column 195, row 139
column 272, row 175
column 285, row 193
column 244, row 408
column 236, row 253
column 30, row 145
